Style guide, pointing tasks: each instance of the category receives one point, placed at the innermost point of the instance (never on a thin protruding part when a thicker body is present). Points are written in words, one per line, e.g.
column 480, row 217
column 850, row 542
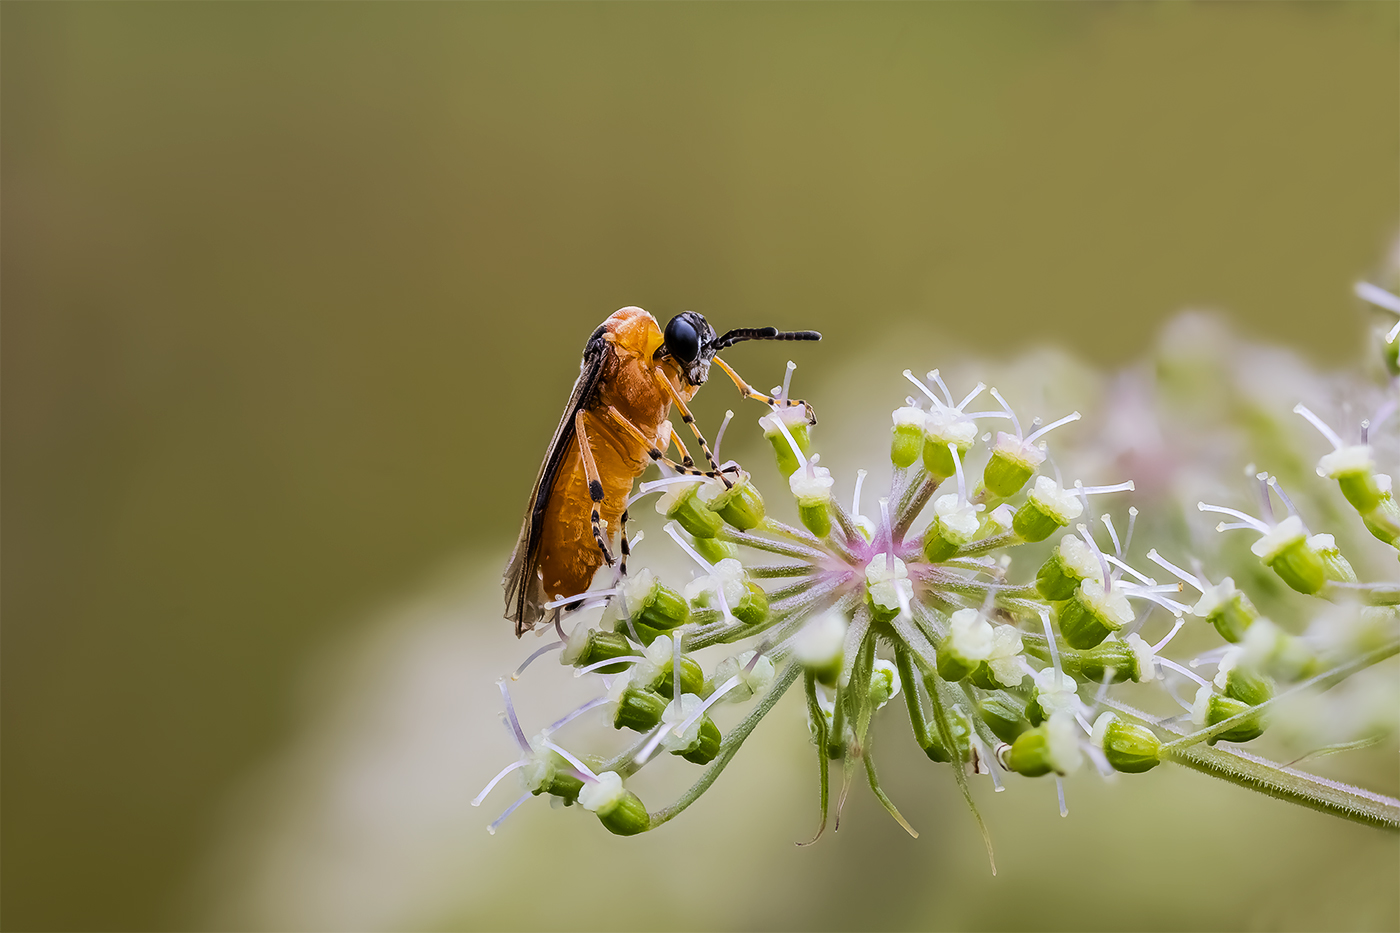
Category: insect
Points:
column 613, row 427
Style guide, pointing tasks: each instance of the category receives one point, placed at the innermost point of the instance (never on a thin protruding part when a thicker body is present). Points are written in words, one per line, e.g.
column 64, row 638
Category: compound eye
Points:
column 683, row 340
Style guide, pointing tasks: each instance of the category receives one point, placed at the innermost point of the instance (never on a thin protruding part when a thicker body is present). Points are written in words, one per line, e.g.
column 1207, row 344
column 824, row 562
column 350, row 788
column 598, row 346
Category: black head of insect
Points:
column 692, row 343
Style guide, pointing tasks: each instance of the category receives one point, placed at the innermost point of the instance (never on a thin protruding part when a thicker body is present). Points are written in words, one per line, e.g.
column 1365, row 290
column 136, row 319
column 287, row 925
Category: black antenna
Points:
column 762, row 333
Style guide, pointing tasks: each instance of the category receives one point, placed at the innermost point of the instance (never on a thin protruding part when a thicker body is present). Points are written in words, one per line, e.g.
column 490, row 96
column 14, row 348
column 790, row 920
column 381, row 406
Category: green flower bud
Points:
column 1053, row 746
column 618, row 809
column 941, row 428
column 589, row 646
column 1383, row 521
column 1211, row 708
column 1053, row 693
column 714, row 550
column 1070, row 564
column 967, row 644
column 1285, row 549
column 884, row 683
column 1047, row 509
column 812, row 489
column 820, row 646
column 1113, row 660
column 1012, row 464
column 1228, row 609
column 699, row 740
column 753, row 608
column 795, row 420
column 955, row 523
column 564, row 785
column 692, row 678
column 753, row 680
column 653, row 604
column 681, row 505
column 1091, row 615
column 1241, row 682
column 885, row 579
column 908, row 436
column 1006, row 718
column 1354, row 470
column 1129, row 748
column 638, row 710
column 1334, row 565
column 962, row 737
column 740, row 505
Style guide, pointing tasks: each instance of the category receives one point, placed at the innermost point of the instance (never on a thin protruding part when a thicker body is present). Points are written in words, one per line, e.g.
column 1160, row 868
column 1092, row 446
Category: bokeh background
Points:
column 292, row 295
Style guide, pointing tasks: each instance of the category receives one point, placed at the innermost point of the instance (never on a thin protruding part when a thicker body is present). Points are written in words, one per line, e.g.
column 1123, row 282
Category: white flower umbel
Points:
column 818, row 644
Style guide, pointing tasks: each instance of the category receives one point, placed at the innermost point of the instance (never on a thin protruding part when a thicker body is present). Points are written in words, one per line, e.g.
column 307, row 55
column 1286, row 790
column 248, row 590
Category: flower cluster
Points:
column 922, row 596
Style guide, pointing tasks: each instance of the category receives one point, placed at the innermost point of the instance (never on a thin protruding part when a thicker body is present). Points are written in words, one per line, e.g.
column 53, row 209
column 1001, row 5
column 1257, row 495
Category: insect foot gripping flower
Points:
column 1003, row 661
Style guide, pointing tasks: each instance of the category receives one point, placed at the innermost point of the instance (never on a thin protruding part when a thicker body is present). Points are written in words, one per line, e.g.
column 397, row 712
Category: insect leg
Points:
column 595, row 485
column 624, row 547
column 656, row 455
column 749, row 391
column 689, row 419
column 685, row 454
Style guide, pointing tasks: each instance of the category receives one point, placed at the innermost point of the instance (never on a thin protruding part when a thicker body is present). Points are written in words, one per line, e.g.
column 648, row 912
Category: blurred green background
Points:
column 292, row 295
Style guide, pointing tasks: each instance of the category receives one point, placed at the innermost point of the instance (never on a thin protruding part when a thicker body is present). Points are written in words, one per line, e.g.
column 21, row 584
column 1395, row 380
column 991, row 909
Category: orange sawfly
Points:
column 613, row 427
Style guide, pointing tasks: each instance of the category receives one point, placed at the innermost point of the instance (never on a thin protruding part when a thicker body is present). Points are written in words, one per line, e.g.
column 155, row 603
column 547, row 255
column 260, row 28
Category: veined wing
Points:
column 524, row 589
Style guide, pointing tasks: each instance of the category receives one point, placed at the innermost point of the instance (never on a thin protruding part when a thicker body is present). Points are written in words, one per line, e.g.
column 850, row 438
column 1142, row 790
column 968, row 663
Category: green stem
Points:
column 1326, row 680
column 814, row 710
column 729, row 747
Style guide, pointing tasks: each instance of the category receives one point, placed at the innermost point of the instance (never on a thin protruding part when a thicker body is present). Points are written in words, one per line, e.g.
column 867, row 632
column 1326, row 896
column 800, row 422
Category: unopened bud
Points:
column 1227, row 608
column 638, row 710
column 908, row 436
column 884, row 683
column 1070, row 564
column 652, row 604
column 1114, row 661
column 961, row 729
column 1285, row 549
column 1334, row 565
column 589, row 646
column 955, row 523
column 1053, row 746
column 886, row 578
column 1012, row 464
column 1129, row 747
column 795, row 420
column 618, row 809
column 941, row 428
column 682, row 505
column 1006, row 719
column 967, row 644
column 820, row 645
column 1211, row 708
column 1047, row 509
column 812, row 489
column 740, row 505
column 1092, row 615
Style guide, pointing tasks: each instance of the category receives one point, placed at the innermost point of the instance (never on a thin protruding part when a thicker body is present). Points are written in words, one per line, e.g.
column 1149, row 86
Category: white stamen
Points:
column 625, row 659
column 685, row 546
column 1287, row 502
column 1054, row 648
column 1394, row 332
column 957, row 467
column 728, row 685
column 1176, row 571
column 1015, row 422
column 1128, row 535
column 787, row 379
column 1181, row 670
column 547, row 648
column 976, row 391
column 937, row 402
column 581, row 597
column 1322, row 426
column 1378, row 297
column 1103, row 490
column 476, row 801
column 509, row 810
column 1249, row 520
column 511, row 720
column 1118, row 562
column 1060, row 789
column 855, row 499
column 1072, row 416
column 728, row 417
column 1235, row 526
column 561, row 723
column 938, row 381
column 1103, row 563
column 1112, row 533
column 583, row 769
column 1169, row 636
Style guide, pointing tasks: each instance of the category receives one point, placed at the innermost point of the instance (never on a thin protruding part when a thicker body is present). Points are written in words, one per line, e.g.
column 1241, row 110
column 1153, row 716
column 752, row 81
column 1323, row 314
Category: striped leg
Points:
column 689, row 419
column 595, row 485
column 656, row 455
column 749, row 391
